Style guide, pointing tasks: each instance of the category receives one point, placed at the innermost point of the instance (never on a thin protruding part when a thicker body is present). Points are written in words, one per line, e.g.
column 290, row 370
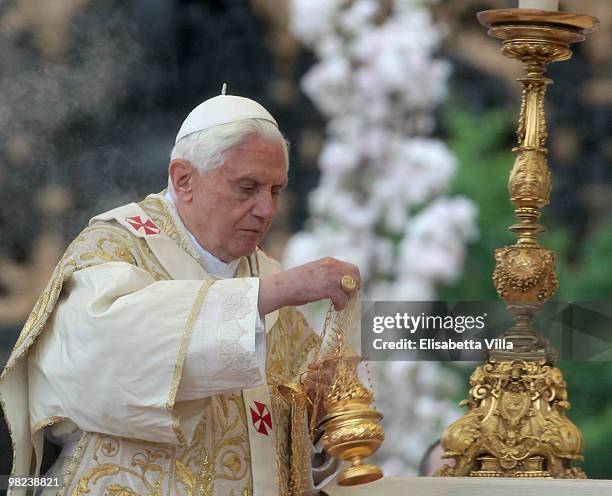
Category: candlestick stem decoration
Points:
column 516, row 424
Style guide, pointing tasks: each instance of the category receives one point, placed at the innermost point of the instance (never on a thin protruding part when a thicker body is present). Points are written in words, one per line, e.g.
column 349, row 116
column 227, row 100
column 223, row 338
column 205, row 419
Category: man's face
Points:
column 233, row 206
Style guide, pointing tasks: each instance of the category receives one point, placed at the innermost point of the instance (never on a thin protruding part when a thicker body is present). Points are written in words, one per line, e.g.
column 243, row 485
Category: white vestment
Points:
column 149, row 363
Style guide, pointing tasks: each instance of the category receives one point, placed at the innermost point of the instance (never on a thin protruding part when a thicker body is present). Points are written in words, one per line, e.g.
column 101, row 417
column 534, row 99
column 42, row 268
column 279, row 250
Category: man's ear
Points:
column 182, row 175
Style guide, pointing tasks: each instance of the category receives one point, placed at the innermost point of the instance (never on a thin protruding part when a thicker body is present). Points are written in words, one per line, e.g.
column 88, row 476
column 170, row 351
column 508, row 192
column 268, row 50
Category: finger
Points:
column 356, row 275
column 340, row 299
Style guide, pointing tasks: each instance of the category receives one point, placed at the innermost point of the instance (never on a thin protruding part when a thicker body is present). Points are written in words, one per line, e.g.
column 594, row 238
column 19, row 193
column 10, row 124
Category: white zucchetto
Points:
column 222, row 109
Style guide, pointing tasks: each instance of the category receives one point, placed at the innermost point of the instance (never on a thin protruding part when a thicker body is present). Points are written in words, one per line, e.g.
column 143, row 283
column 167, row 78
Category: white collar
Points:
column 214, row 265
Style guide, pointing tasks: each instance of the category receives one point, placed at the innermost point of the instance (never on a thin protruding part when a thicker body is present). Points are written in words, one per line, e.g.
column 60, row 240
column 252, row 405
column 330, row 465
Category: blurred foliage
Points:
column 482, row 143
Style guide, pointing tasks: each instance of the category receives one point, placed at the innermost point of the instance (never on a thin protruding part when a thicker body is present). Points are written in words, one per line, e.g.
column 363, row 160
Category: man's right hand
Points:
column 310, row 282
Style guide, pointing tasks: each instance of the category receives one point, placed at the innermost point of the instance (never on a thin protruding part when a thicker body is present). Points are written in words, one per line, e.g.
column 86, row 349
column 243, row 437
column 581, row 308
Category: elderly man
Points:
column 153, row 355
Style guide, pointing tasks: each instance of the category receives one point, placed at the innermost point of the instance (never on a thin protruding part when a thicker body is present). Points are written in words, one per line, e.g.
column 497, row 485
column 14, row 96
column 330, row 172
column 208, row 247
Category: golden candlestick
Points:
column 516, row 424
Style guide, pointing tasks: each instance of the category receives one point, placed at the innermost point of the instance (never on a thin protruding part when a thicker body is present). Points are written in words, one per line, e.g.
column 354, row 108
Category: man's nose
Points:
column 265, row 205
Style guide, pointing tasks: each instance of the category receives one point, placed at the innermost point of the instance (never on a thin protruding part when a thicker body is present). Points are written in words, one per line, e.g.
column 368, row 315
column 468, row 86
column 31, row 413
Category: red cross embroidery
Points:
column 261, row 418
column 148, row 225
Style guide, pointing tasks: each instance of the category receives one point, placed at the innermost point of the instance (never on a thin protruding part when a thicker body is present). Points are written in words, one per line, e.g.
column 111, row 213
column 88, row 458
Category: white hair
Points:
column 206, row 149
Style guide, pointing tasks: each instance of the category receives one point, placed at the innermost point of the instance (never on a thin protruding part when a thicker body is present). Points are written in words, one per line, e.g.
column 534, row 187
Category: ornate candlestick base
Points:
column 516, row 424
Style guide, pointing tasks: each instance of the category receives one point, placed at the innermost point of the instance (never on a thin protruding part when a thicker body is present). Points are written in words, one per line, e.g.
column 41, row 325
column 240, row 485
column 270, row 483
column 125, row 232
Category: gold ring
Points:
column 348, row 283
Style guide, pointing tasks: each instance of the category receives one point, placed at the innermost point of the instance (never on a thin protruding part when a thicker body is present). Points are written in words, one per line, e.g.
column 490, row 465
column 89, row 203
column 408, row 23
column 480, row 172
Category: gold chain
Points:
column 336, row 349
column 331, row 349
column 366, row 364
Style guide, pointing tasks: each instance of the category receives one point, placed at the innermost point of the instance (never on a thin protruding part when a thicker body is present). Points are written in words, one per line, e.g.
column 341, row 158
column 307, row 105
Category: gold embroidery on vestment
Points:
column 178, row 367
column 54, row 419
column 73, row 463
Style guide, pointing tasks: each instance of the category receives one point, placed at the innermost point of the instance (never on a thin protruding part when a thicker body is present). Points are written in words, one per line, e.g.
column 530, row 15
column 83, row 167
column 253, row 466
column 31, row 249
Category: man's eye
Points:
column 276, row 193
column 247, row 189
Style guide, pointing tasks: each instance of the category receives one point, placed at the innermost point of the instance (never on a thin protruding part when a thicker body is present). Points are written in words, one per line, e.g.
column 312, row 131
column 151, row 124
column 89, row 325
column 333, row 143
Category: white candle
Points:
column 539, row 4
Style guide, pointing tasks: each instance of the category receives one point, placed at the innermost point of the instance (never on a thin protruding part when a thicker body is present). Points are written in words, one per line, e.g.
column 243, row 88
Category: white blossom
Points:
column 313, row 19
column 328, row 84
column 358, row 16
column 338, row 157
column 382, row 199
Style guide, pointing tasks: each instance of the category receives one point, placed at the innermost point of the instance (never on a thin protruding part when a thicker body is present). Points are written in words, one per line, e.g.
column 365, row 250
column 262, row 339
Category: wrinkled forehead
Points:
column 257, row 158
